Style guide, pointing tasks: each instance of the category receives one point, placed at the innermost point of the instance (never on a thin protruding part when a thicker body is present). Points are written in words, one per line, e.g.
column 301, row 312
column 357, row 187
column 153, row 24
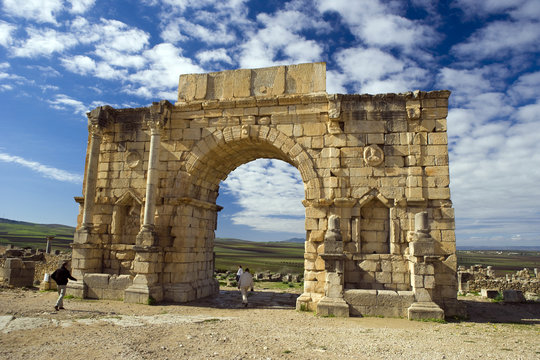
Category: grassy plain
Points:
column 503, row 261
column 24, row 234
column 284, row 257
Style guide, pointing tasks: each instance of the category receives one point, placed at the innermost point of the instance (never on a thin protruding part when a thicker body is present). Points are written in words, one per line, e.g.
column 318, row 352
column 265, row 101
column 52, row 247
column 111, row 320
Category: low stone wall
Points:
column 478, row 277
column 17, row 272
column 386, row 303
column 105, row 286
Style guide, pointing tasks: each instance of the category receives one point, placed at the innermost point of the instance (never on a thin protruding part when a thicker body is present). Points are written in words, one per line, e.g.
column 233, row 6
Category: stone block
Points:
column 513, row 296
column 489, row 293
column 422, row 248
column 120, row 282
column 95, row 280
column 361, row 297
column 388, row 298
column 425, row 311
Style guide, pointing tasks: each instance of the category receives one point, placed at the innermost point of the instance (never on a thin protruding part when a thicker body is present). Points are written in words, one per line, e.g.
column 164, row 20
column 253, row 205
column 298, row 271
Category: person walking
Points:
column 245, row 283
column 61, row 276
column 238, row 273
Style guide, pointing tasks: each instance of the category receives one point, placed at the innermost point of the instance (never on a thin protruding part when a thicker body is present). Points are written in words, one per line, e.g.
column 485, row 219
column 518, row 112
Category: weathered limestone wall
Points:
column 17, row 272
column 372, row 161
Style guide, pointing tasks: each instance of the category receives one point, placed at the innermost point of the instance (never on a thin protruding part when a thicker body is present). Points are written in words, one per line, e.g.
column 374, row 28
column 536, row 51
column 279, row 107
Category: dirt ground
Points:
column 269, row 328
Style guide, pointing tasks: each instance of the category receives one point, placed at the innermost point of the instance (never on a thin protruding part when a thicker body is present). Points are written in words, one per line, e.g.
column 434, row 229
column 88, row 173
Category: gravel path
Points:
column 269, row 328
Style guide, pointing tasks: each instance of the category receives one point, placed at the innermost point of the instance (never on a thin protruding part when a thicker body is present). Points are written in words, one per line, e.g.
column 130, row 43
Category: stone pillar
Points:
column 87, row 255
column 83, row 234
column 155, row 121
column 422, row 271
column 147, row 285
column 333, row 303
column 48, row 246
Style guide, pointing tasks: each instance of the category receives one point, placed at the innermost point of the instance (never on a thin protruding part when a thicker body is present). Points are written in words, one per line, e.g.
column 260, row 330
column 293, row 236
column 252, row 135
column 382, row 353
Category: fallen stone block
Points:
column 489, row 293
column 513, row 296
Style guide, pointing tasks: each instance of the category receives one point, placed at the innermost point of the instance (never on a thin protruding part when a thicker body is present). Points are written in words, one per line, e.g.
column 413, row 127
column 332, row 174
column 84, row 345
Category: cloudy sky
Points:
column 61, row 58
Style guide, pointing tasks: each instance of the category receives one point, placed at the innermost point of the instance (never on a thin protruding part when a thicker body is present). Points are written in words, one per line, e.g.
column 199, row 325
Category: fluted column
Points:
column 97, row 120
column 155, row 120
column 91, row 176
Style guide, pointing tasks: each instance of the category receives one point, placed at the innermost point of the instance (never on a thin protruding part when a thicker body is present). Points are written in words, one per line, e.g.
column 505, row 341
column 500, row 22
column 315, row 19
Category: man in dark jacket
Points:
column 61, row 276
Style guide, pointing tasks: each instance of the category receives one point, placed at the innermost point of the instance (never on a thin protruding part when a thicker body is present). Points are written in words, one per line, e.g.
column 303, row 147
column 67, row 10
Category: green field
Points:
column 24, row 234
column 283, row 257
column 503, row 261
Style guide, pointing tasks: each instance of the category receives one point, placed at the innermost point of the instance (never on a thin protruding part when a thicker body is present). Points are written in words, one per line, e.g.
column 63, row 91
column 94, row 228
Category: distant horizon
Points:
column 458, row 247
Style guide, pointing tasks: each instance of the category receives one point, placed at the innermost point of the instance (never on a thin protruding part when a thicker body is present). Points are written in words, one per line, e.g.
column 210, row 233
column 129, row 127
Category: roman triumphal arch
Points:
column 379, row 220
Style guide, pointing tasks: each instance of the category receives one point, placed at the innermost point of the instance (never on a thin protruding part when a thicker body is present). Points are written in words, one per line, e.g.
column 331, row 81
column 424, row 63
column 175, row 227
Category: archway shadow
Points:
column 499, row 312
column 260, row 299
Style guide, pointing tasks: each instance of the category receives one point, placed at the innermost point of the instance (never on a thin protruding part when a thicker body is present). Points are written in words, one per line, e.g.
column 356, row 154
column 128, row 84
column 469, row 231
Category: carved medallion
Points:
column 133, row 159
column 373, row 155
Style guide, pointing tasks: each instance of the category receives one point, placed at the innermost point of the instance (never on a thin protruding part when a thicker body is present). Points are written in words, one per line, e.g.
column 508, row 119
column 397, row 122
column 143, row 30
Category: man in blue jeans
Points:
column 61, row 276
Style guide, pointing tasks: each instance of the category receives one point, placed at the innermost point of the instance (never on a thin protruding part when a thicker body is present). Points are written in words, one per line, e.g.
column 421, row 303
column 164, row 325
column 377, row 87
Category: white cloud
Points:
column 372, row 70
column 44, row 170
column 526, row 87
column 80, row 6
column 43, row 11
column 166, row 63
column 79, row 64
column 171, row 33
column 500, row 40
column 335, row 82
column 6, row 30
column 517, row 9
column 214, row 55
column 270, row 193
column 64, row 102
column 214, row 33
column 279, row 42
column 43, row 42
column 379, row 24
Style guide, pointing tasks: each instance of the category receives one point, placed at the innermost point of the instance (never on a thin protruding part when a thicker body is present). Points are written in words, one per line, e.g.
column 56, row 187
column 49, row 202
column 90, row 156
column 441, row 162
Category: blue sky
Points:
column 59, row 59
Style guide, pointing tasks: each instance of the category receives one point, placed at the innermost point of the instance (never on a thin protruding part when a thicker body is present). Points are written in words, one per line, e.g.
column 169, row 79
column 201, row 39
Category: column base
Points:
column 179, row 292
column 143, row 294
column 425, row 311
column 146, row 238
column 332, row 307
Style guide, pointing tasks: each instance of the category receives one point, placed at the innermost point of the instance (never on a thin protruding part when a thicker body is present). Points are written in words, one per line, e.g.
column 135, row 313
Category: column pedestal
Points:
column 425, row 311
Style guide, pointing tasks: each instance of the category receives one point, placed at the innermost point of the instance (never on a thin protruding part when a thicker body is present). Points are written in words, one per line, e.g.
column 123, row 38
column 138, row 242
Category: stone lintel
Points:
column 241, row 83
column 197, row 203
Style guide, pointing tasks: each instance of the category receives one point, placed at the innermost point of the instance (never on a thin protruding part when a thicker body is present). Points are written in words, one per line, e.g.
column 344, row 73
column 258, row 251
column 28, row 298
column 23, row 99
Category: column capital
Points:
column 100, row 117
column 158, row 115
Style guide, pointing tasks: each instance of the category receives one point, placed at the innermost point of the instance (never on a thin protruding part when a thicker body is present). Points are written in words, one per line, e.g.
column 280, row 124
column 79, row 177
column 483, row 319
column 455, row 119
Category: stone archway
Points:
column 370, row 164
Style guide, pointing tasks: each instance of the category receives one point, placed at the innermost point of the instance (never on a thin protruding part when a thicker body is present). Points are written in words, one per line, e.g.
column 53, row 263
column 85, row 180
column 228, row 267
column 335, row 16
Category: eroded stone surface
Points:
column 373, row 161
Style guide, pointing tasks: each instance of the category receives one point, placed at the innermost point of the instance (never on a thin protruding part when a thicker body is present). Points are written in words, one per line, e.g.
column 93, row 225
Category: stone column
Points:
column 333, row 303
column 87, row 255
column 82, row 235
column 155, row 121
column 422, row 271
column 148, row 263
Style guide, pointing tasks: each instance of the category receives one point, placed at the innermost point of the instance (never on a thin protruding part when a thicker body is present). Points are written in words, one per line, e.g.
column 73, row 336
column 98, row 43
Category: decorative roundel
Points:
column 133, row 159
column 373, row 155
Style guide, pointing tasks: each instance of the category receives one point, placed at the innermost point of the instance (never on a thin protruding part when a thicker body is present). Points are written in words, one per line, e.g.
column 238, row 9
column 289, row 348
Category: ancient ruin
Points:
column 379, row 219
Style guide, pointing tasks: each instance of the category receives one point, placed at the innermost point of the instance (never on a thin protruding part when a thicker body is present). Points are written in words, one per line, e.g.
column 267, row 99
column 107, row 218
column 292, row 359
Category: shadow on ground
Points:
column 500, row 312
column 232, row 299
